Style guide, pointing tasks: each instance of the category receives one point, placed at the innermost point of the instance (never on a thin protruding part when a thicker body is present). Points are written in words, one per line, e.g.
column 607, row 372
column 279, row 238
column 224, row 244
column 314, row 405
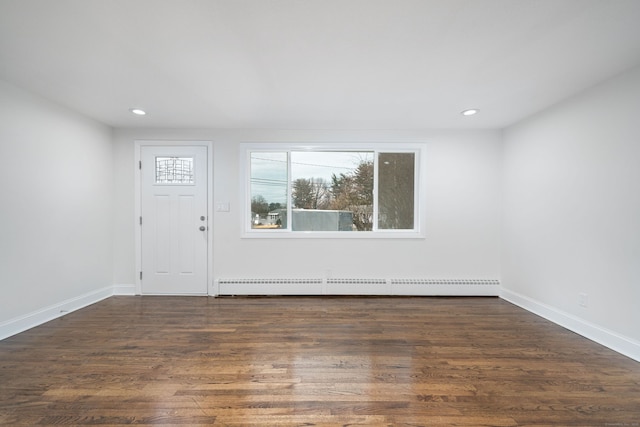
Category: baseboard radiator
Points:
column 357, row 286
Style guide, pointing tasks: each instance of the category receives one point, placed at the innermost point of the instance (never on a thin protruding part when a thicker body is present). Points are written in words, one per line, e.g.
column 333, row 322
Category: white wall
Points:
column 463, row 194
column 56, row 204
column 572, row 210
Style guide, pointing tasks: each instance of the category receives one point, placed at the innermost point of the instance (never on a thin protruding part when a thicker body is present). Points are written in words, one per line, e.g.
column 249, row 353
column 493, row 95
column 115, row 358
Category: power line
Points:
column 303, row 164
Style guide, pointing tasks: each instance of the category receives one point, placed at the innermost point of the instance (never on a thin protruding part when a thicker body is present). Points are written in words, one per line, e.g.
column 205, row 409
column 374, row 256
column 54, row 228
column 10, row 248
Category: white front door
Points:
column 174, row 220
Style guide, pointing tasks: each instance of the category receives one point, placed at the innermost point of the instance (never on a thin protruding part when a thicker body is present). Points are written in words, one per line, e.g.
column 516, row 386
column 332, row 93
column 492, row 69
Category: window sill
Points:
column 272, row 234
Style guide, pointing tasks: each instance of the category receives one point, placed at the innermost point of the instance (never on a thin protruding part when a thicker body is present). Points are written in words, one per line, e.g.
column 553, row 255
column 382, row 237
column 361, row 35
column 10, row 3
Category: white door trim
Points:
column 138, row 204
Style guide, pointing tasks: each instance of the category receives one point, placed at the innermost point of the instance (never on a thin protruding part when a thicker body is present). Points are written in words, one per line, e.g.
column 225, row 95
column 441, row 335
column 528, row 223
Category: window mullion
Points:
column 417, row 170
column 289, row 194
column 374, row 226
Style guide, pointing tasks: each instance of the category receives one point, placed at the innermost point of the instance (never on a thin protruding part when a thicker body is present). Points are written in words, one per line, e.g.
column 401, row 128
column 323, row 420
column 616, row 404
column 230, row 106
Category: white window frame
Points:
column 418, row 232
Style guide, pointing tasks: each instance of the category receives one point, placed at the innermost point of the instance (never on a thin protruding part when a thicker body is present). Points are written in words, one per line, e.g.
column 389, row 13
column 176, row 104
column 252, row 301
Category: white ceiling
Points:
column 314, row 64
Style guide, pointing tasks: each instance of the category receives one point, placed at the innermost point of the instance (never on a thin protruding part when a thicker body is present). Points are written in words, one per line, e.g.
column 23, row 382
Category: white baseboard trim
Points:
column 123, row 289
column 616, row 342
column 38, row 317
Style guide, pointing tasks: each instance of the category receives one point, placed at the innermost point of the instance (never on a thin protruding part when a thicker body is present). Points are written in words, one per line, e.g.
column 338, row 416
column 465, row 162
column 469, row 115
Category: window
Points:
column 347, row 191
column 396, row 195
column 174, row 170
column 269, row 190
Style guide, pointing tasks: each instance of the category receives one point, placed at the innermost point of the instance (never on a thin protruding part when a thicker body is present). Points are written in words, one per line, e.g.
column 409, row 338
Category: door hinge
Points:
column 140, row 220
column 140, row 164
column 141, row 275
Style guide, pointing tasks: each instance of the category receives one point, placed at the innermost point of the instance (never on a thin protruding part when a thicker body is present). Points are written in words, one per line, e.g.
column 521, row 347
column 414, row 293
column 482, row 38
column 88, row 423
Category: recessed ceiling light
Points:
column 470, row 112
column 138, row 111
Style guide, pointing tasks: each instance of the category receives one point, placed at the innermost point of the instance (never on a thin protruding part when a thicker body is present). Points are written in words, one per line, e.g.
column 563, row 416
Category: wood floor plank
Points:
column 312, row 361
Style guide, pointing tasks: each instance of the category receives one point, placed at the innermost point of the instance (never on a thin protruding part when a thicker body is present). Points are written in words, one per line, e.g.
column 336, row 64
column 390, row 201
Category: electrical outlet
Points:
column 583, row 299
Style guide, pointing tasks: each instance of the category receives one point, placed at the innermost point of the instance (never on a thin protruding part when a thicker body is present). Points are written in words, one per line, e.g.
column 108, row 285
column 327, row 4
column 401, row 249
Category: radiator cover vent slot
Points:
column 269, row 281
column 357, row 281
column 474, row 282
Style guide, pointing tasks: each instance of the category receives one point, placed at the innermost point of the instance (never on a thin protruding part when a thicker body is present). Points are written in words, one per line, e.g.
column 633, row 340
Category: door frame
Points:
column 138, row 204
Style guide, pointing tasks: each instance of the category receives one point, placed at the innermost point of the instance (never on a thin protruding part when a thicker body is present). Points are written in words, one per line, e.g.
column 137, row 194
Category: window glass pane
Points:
column 269, row 179
column 396, row 191
column 332, row 190
column 174, row 170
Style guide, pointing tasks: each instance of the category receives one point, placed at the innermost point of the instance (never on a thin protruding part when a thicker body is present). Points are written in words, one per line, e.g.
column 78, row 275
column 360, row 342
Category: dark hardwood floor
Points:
column 312, row 361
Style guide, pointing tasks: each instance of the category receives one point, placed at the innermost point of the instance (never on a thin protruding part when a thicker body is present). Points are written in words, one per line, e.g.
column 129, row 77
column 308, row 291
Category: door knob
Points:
column 202, row 228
